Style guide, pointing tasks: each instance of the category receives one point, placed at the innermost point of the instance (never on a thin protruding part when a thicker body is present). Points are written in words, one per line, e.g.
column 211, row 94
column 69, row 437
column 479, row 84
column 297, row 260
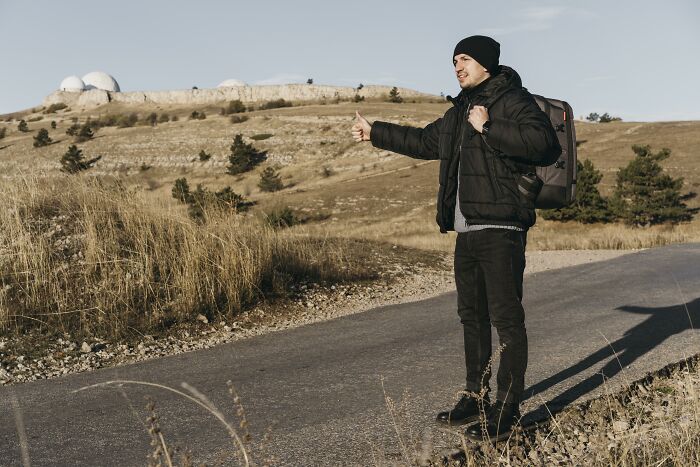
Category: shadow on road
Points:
column 661, row 323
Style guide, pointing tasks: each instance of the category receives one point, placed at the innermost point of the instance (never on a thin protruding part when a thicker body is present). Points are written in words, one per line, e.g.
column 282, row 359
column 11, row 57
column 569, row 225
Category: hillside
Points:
column 360, row 191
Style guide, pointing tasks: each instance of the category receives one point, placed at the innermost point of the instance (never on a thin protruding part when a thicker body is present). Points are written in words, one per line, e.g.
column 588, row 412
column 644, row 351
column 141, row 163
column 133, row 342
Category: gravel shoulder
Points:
column 32, row 357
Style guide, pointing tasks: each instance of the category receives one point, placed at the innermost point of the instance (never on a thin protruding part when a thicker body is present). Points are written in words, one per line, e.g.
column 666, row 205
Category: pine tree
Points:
column 394, row 96
column 589, row 206
column 23, row 126
column 270, row 180
column 243, row 156
column 42, row 138
column 84, row 134
column 181, row 190
column 73, row 160
column 644, row 195
column 53, row 124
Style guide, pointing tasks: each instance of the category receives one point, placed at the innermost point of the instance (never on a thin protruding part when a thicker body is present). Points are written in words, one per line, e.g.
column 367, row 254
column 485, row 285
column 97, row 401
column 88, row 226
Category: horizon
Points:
column 581, row 54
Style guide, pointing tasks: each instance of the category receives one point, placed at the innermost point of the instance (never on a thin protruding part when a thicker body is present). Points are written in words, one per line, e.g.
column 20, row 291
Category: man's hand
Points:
column 478, row 116
column 361, row 128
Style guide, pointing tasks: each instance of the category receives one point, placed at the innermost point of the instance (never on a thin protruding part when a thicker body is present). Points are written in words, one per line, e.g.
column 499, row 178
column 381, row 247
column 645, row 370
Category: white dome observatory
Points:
column 72, row 84
column 100, row 80
column 231, row 83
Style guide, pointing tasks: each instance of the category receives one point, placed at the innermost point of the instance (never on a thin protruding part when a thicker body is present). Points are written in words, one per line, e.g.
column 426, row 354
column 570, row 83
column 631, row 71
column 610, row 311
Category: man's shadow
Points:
column 661, row 323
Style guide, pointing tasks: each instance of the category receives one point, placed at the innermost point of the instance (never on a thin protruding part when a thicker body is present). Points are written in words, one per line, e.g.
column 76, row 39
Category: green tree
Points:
column 53, row 124
column 243, row 156
column 200, row 200
column 42, row 138
column 23, row 126
column 607, row 118
column 394, row 96
column 593, row 117
column 181, row 190
column 589, row 206
column 270, row 180
column 644, row 195
column 73, row 130
column 84, row 134
column 73, row 160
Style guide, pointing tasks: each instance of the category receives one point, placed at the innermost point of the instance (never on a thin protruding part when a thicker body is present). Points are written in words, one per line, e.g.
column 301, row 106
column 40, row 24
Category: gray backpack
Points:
column 558, row 187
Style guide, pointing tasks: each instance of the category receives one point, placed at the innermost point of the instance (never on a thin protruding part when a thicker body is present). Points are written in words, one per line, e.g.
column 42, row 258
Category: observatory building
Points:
column 72, row 84
column 231, row 83
column 100, row 80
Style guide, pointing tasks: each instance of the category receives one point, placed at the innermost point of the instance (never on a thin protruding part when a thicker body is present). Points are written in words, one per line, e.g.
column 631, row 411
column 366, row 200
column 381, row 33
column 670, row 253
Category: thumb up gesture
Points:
column 361, row 128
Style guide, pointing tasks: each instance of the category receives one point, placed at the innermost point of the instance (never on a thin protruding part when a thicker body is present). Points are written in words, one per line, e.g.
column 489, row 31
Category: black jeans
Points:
column 489, row 267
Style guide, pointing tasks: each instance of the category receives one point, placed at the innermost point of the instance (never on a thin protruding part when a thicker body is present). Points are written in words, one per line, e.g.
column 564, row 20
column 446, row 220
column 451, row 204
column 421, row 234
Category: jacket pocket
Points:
column 493, row 177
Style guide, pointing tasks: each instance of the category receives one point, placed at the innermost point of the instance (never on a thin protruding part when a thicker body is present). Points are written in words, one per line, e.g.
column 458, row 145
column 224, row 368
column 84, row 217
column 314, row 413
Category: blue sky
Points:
column 634, row 59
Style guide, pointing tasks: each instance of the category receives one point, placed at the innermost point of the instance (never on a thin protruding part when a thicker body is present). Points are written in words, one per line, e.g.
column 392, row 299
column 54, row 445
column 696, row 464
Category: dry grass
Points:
column 81, row 255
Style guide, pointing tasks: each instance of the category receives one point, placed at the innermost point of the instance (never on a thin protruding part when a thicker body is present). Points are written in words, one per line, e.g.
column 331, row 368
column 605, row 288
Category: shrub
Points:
column 238, row 119
column 127, row 121
column 589, row 206
column 152, row 119
column 3, row 132
column 310, row 81
column 73, row 130
column 275, row 104
column 55, row 107
column 73, row 160
column 164, row 118
column 84, row 134
column 197, row 115
column 22, row 126
column 42, row 138
column 175, row 118
column 243, row 156
column 270, row 180
column 234, row 107
column 394, row 96
column 358, row 98
column 281, row 218
column 53, row 124
column 607, row 118
column 644, row 195
column 327, row 171
column 203, row 156
column 261, row 136
column 35, row 119
column 201, row 200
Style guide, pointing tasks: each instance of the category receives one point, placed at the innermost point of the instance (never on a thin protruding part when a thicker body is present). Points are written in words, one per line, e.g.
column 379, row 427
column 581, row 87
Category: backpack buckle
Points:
column 560, row 164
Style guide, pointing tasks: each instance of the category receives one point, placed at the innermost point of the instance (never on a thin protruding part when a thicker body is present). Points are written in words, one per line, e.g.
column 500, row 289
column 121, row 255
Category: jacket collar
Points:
column 505, row 78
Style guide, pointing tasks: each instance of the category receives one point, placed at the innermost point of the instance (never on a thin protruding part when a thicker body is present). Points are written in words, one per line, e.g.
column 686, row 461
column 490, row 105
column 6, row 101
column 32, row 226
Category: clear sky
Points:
column 634, row 59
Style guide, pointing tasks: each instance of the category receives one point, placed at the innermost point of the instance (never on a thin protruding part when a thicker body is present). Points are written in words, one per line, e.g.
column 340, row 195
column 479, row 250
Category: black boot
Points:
column 500, row 421
column 467, row 410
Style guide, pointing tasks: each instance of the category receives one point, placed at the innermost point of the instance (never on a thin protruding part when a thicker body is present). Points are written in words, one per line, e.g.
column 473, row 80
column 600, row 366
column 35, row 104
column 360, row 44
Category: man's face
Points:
column 469, row 72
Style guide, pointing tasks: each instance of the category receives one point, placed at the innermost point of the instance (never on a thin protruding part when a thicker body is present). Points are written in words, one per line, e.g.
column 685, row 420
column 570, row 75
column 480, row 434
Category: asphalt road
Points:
column 321, row 388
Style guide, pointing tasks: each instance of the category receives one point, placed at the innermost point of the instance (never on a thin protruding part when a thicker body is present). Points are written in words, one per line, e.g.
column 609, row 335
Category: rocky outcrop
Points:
column 246, row 94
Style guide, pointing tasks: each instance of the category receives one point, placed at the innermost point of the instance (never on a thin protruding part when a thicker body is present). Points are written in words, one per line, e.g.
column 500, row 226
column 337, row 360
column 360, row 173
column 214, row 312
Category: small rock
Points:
column 202, row 318
column 85, row 348
column 620, row 425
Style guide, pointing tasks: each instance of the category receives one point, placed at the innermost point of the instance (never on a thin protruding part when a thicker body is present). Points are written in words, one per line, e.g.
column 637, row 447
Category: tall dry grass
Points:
column 81, row 254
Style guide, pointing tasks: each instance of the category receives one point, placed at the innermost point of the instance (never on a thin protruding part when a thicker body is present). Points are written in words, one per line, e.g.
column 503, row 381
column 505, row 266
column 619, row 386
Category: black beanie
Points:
column 482, row 49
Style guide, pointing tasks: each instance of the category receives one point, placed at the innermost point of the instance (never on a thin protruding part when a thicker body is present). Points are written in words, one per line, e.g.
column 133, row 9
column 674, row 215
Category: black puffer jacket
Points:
column 520, row 137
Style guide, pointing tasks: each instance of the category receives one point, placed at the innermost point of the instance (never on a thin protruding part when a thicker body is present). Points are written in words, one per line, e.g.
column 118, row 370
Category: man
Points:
column 494, row 133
